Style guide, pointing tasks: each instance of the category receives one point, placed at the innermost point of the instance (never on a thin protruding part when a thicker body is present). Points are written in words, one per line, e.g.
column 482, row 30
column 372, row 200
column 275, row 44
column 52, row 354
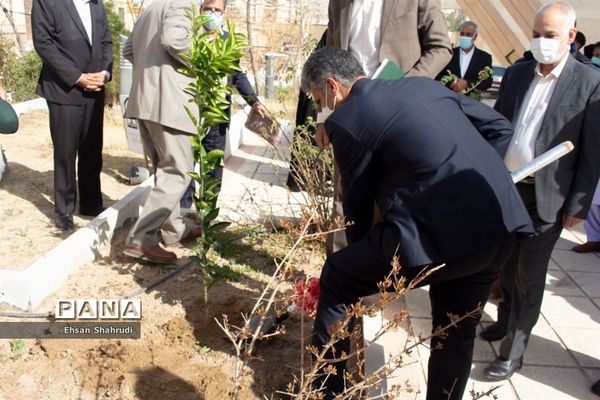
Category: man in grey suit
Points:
column 549, row 100
column 157, row 101
column 411, row 33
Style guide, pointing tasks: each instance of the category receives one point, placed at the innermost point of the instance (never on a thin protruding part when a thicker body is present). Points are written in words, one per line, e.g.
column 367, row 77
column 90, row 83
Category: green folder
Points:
column 9, row 122
column 388, row 70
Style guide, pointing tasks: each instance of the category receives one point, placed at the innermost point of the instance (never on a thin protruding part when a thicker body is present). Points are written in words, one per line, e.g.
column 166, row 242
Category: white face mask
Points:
column 545, row 50
column 325, row 110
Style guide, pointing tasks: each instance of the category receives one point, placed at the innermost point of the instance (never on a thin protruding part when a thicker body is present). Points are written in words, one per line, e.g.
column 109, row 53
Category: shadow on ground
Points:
column 272, row 366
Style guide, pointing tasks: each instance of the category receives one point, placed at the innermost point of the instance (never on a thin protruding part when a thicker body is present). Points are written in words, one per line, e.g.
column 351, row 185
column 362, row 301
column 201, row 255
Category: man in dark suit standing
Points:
column 549, row 100
column 467, row 60
column 419, row 152
column 73, row 40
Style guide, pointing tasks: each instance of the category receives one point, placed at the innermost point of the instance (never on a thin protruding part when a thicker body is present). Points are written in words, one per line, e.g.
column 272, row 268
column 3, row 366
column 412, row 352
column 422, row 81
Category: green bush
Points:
column 116, row 25
column 6, row 52
column 21, row 75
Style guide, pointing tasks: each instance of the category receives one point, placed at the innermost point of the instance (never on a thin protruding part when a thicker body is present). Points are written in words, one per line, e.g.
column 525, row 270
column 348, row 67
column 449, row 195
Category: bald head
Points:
column 558, row 14
column 553, row 32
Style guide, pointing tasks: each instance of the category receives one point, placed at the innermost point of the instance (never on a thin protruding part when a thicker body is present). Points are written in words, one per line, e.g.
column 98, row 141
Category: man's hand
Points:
column 91, row 82
column 99, row 77
column 321, row 137
column 260, row 109
column 459, row 85
column 569, row 221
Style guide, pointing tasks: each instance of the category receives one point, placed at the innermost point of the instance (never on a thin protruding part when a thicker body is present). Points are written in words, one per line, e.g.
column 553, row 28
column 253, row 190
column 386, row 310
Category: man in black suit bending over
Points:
column 467, row 60
column 73, row 40
column 422, row 154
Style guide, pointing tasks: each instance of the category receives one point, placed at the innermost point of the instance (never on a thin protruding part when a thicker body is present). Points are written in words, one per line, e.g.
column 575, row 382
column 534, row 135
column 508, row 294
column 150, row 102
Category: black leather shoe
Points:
column 596, row 388
column 493, row 333
column 64, row 223
column 91, row 212
column 502, row 368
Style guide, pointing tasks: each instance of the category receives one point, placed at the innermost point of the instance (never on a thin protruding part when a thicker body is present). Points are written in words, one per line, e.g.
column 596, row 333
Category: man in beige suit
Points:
column 412, row 33
column 157, row 101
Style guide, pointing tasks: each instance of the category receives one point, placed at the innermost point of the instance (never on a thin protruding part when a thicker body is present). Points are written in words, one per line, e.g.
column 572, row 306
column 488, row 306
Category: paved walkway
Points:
column 254, row 183
column 563, row 357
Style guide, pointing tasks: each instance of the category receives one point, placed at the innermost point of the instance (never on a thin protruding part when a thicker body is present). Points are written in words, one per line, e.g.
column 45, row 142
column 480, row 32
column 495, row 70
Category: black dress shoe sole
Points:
column 66, row 228
column 64, row 224
column 501, row 375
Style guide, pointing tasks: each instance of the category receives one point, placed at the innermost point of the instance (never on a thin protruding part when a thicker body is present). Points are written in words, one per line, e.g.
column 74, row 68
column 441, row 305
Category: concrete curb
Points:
column 27, row 289
column 38, row 104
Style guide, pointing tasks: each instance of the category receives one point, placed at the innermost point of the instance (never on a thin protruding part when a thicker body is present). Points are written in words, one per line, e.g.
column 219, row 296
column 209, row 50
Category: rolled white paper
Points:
column 541, row 161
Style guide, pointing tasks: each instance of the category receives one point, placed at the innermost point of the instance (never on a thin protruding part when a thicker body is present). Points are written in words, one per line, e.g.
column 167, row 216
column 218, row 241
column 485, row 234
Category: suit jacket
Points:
column 413, row 34
column 154, row 47
column 432, row 161
column 479, row 61
column 584, row 60
column 240, row 81
column 66, row 52
column 567, row 185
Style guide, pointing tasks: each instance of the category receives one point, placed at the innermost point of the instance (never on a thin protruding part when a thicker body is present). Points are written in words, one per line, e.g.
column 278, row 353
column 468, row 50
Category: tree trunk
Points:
column 249, row 34
column 20, row 42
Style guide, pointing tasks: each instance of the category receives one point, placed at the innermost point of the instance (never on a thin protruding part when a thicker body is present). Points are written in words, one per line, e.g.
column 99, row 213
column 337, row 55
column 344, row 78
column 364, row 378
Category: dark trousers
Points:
column 457, row 288
column 76, row 132
column 214, row 140
column 523, row 279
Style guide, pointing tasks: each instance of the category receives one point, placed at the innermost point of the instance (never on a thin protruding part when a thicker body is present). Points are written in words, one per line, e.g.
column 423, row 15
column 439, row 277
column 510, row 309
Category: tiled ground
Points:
column 563, row 357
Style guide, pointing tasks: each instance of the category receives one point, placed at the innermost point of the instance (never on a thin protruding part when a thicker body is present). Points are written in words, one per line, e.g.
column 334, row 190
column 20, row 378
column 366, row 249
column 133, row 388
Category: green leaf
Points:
column 219, row 226
column 215, row 154
column 209, row 61
column 213, row 183
column 212, row 214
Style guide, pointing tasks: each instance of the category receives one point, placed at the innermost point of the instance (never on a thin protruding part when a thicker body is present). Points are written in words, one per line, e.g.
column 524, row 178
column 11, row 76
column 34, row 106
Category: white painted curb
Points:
column 27, row 289
column 379, row 351
column 38, row 104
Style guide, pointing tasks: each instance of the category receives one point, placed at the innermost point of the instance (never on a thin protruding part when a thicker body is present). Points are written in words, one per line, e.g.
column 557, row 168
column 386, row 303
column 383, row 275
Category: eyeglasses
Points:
column 213, row 10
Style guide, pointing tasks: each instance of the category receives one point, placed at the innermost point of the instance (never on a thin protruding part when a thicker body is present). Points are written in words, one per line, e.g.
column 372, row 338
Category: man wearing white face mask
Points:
column 549, row 100
column 406, row 146
column 215, row 139
column 467, row 60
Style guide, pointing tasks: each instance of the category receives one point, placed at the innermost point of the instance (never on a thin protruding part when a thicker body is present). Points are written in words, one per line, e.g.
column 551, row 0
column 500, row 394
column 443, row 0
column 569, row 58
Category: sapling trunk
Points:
column 212, row 58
